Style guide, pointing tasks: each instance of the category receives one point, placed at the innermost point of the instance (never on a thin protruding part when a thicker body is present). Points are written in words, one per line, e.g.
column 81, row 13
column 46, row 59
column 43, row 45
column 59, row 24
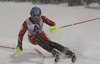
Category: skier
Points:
column 37, row 36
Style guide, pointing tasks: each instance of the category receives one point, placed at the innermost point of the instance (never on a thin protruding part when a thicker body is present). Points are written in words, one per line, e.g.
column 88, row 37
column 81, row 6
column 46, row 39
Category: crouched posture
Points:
column 34, row 25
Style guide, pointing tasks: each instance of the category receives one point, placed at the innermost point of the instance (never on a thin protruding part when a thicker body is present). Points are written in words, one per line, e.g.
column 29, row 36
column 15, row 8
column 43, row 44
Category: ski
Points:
column 73, row 59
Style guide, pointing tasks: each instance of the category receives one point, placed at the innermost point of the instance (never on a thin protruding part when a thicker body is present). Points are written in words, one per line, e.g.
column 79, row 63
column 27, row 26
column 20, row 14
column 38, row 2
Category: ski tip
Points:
column 56, row 60
column 73, row 58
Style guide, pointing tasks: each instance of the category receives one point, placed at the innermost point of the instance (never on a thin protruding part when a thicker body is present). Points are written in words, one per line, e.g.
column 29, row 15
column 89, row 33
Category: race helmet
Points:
column 35, row 14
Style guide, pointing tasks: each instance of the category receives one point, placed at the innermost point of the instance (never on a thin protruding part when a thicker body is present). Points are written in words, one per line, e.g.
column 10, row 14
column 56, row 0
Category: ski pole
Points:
column 53, row 29
column 7, row 47
column 16, row 49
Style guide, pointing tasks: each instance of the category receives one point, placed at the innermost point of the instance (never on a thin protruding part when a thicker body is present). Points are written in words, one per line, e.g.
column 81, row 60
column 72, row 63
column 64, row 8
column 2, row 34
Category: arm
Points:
column 21, row 34
column 47, row 21
column 22, row 31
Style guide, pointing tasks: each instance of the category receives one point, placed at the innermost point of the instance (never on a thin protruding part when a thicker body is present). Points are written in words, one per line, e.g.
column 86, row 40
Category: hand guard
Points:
column 19, row 47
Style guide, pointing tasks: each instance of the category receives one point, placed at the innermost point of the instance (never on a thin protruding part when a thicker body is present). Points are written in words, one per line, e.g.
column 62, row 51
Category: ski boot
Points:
column 56, row 54
column 71, row 55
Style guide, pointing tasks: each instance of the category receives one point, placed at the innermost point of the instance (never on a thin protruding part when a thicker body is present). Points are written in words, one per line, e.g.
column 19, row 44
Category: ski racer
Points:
column 34, row 25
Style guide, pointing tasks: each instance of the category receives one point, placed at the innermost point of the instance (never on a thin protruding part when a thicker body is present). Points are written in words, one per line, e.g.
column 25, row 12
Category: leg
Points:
column 61, row 48
column 34, row 40
column 43, row 41
column 57, row 46
column 45, row 46
column 49, row 45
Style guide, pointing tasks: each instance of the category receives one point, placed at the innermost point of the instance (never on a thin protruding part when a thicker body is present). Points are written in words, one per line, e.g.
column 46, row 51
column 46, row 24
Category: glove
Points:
column 19, row 47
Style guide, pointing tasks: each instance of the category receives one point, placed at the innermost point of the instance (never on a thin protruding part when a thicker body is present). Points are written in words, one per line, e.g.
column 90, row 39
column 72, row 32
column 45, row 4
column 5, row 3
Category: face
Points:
column 35, row 17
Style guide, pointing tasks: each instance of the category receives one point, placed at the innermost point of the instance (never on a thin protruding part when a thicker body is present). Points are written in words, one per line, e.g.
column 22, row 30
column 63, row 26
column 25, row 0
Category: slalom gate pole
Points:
column 39, row 52
column 7, row 47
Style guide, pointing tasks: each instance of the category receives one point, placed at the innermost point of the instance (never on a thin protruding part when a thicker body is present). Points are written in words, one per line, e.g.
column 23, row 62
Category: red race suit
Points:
column 32, row 27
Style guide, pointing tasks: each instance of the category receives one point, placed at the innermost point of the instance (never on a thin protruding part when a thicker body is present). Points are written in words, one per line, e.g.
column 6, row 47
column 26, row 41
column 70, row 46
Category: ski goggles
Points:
column 36, row 16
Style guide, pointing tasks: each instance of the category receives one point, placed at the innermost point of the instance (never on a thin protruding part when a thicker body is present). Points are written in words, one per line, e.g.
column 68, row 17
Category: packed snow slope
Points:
column 83, row 39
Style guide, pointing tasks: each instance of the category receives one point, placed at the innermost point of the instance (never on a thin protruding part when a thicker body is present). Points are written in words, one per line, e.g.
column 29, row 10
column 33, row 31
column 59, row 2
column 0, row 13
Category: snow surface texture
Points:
column 83, row 39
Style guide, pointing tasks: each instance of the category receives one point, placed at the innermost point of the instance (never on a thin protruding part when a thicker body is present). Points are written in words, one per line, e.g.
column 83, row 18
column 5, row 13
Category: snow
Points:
column 83, row 39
